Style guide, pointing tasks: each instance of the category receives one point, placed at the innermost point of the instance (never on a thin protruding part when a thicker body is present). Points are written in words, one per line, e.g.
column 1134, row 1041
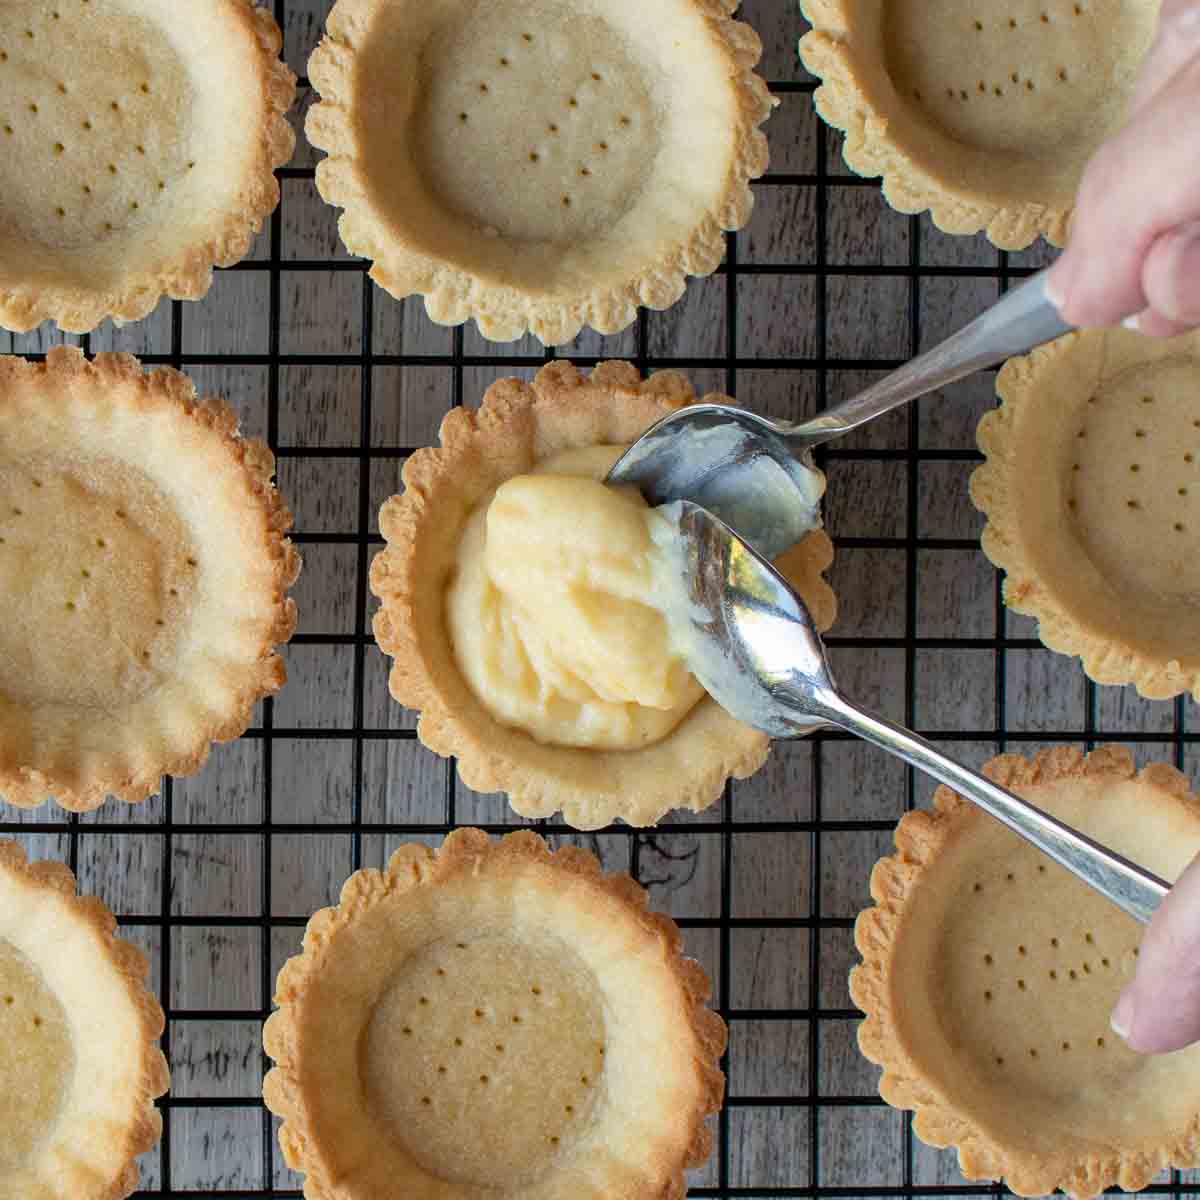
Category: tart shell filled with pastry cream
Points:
column 518, row 605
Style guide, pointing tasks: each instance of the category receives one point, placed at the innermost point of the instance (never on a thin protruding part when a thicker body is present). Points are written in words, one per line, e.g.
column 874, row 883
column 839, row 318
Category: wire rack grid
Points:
column 824, row 290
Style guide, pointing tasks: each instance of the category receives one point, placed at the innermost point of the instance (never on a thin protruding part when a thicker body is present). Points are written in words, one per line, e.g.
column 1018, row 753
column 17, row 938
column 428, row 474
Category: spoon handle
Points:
column 1022, row 319
column 1126, row 884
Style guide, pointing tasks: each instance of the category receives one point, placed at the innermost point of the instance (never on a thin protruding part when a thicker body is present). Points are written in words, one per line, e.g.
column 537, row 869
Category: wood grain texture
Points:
column 343, row 428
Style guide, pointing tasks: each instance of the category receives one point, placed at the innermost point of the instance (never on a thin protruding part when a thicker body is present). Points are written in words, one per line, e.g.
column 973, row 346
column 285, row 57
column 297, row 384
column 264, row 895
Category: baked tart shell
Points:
column 983, row 115
column 1090, row 491
column 144, row 565
column 142, row 166
column 493, row 969
column 538, row 175
column 87, row 990
column 989, row 972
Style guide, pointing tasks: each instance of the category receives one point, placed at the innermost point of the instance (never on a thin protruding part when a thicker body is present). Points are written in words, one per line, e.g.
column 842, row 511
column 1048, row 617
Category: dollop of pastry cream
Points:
column 556, row 610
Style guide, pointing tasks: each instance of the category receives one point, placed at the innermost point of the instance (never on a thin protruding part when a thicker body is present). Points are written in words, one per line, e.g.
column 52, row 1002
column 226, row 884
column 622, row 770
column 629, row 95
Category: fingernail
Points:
column 1132, row 322
column 1054, row 290
column 1122, row 1015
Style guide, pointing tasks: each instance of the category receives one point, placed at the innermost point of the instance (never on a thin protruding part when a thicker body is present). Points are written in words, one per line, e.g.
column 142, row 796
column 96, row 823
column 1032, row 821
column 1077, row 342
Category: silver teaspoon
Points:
column 757, row 474
column 751, row 643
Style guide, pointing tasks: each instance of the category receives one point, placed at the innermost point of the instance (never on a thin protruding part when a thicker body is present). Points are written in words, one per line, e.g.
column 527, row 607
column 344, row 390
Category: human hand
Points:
column 1135, row 238
column 1160, row 1009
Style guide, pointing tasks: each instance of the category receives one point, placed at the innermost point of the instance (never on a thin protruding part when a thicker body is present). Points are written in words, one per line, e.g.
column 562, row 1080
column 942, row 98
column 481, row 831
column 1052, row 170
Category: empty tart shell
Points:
column 538, row 167
column 989, row 973
column 143, row 578
column 148, row 133
column 518, row 424
column 1092, row 495
column 493, row 1018
column 80, row 1066
column 983, row 114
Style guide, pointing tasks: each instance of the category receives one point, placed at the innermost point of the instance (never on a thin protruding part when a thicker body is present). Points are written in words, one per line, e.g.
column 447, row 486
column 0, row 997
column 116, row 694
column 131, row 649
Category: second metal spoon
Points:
column 754, row 648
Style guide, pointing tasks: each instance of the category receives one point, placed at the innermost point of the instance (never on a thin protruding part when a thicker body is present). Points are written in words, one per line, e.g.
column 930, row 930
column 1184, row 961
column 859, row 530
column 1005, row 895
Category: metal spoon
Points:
column 754, row 648
column 721, row 456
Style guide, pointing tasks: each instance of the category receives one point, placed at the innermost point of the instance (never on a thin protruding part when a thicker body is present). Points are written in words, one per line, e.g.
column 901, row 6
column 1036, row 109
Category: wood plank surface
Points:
column 798, row 1039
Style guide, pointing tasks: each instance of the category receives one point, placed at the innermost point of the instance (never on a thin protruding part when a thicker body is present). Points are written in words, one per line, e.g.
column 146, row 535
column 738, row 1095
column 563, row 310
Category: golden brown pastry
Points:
column 984, row 114
column 1092, row 495
column 147, row 133
column 143, row 578
column 543, row 165
column 989, row 973
column 493, row 1017
column 570, row 736
column 80, row 1066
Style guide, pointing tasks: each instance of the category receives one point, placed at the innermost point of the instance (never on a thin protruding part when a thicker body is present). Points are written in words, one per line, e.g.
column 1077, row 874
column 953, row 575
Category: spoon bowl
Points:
column 753, row 635
column 734, row 463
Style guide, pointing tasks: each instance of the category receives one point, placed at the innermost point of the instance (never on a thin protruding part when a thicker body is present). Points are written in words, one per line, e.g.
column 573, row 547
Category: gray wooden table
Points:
column 823, row 290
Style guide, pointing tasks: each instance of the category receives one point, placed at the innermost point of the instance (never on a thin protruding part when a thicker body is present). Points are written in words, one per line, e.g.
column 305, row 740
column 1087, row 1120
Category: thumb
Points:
column 1160, row 1009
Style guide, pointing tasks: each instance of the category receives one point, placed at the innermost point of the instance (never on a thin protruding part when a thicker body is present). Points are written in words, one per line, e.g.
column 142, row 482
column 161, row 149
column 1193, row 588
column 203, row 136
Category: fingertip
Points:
column 1155, row 1040
column 1171, row 277
column 1153, row 324
column 1084, row 289
column 1159, row 1010
column 1146, row 1035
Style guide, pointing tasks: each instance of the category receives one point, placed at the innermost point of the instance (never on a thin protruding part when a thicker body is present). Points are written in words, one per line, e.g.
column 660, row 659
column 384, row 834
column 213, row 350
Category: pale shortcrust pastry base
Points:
column 493, row 1019
column 79, row 1062
column 989, row 973
column 1092, row 494
column 984, row 114
column 538, row 164
column 143, row 578
column 517, row 425
column 147, row 133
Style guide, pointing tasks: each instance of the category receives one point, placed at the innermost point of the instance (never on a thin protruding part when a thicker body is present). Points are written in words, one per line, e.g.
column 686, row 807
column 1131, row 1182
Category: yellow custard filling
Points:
column 555, row 609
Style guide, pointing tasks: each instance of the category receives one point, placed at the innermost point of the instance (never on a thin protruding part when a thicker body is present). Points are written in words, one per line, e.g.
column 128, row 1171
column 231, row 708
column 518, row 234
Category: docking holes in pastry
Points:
column 89, row 138
column 1156, row 490
column 544, row 154
column 1020, row 973
column 492, row 112
column 123, row 559
column 1021, row 65
column 73, row 156
column 466, row 1021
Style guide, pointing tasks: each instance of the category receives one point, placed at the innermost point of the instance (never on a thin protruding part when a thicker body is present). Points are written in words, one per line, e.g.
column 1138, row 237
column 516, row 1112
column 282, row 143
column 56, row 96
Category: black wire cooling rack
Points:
column 797, row 1112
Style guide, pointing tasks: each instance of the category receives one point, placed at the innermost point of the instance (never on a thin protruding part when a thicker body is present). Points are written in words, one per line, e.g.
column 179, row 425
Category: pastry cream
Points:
column 556, row 609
